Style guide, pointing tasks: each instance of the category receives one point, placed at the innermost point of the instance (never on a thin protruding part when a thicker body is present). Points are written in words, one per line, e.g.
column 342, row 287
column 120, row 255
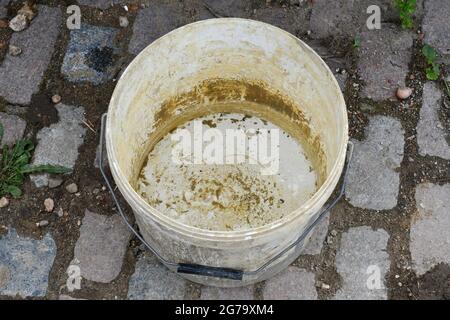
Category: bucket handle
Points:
column 219, row 272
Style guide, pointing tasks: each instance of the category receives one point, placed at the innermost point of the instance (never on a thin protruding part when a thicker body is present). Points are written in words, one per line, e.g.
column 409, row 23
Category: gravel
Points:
column 18, row 23
column 14, row 50
column 4, row 202
column 72, row 188
column 49, row 204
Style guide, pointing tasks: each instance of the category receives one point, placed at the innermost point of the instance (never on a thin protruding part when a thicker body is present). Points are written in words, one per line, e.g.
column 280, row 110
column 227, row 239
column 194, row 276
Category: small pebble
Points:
column 72, row 188
column 49, row 204
column 4, row 202
column 42, row 223
column 123, row 22
column 3, row 24
column 325, row 286
column 27, row 11
column 404, row 93
column 56, row 98
column 334, row 233
column 14, row 50
column 18, row 23
column 54, row 182
column 60, row 212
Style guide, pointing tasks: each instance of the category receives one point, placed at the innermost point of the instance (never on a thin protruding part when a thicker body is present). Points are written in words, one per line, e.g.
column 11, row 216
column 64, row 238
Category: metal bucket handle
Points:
column 219, row 272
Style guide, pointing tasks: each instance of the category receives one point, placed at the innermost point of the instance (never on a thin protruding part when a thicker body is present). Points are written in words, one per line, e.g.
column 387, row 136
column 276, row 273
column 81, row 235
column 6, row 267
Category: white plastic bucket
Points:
column 175, row 73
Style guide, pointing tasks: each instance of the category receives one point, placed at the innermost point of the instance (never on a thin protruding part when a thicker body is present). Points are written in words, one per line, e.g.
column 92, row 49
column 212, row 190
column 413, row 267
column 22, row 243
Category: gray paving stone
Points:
column 5, row 274
column 230, row 8
column 291, row 284
column 383, row 61
column 341, row 79
column 154, row 22
column 431, row 134
column 66, row 297
column 21, row 76
column 14, row 128
column 91, row 55
column 361, row 258
column 3, row 9
column 293, row 20
column 429, row 234
column 435, row 25
column 317, row 237
column 373, row 178
column 101, row 247
column 153, row 281
column 25, row 264
column 345, row 18
column 101, row 4
column 336, row 64
column 58, row 144
column 198, row 11
column 214, row 293
column 16, row 110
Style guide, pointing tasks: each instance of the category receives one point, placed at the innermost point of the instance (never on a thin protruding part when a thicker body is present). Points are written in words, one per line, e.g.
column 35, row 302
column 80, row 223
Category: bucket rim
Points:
column 308, row 209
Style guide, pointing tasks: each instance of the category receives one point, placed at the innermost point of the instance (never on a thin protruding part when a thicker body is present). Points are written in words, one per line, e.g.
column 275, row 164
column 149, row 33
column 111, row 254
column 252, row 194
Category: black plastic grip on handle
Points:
column 217, row 272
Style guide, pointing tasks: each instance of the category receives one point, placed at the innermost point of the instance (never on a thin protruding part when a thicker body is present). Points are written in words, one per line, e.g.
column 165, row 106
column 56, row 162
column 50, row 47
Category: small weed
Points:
column 406, row 9
column 14, row 166
column 357, row 42
column 447, row 88
column 433, row 71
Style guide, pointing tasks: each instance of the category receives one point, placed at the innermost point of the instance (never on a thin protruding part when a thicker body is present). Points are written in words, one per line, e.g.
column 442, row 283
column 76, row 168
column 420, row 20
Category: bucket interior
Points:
column 220, row 67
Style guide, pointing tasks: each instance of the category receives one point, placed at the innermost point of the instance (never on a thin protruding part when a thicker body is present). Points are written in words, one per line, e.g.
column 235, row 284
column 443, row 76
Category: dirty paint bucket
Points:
column 212, row 63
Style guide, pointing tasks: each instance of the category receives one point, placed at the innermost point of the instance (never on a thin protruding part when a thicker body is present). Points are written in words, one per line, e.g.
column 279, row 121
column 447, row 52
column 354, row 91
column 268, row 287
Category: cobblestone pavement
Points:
column 389, row 238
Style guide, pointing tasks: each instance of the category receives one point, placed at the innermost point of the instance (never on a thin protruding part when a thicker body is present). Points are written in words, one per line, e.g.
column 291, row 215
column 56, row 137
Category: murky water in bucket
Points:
column 227, row 171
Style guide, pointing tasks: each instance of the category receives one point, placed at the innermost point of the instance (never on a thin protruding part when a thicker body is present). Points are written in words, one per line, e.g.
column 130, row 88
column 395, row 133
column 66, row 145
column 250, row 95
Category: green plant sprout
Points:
column 406, row 10
column 14, row 166
column 433, row 71
column 356, row 42
column 447, row 88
